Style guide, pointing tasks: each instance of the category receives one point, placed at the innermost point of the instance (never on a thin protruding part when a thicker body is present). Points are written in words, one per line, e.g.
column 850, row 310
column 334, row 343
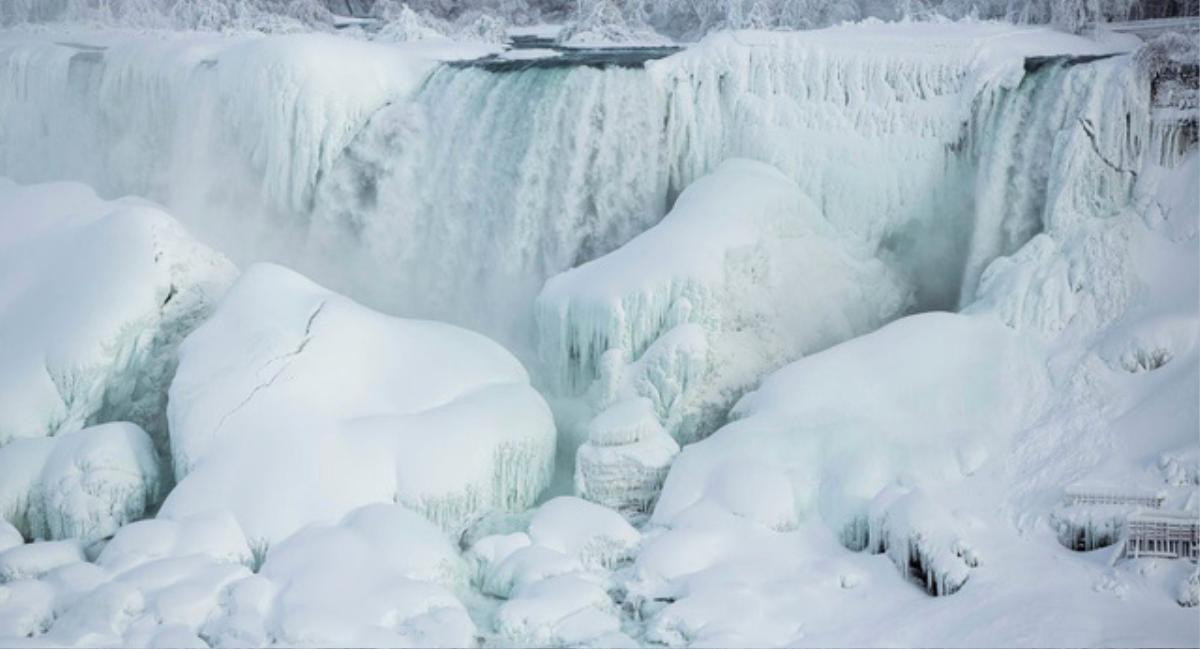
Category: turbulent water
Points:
column 457, row 191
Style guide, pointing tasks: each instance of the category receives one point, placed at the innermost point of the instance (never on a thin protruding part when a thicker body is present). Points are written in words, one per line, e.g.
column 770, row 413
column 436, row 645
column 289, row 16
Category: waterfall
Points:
column 454, row 191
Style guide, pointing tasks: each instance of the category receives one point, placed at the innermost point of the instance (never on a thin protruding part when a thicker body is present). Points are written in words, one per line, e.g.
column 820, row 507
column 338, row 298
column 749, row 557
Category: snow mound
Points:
column 298, row 382
column 625, row 459
column 596, row 535
column 808, row 440
column 560, row 611
column 83, row 484
column 215, row 535
column 378, row 578
column 94, row 299
column 33, row 560
column 739, row 255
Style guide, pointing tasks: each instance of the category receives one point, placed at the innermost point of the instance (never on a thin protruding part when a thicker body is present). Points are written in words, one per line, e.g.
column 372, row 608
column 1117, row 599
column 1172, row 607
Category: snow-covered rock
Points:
column 833, row 449
column 745, row 255
column 95, row 297
column 596, row 535
column 380, row 577
column 563, row 610
column 83, row 484
column 294, row 405
column 625, row 459
column 212, row 534
column 33, row 560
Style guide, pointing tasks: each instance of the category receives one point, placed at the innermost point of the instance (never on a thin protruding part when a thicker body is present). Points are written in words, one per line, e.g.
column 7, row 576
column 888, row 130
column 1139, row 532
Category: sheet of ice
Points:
column 94, row 298
column 294, row 405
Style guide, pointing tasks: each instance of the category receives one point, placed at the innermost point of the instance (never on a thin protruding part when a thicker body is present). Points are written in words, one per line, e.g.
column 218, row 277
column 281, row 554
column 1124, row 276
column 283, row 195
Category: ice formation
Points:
column 339, row 406
column 96, row 296
column 625, row 459
column 381, row 576
column 79, row 485
column 734, row 257
column 556, row 579
column 838, row 451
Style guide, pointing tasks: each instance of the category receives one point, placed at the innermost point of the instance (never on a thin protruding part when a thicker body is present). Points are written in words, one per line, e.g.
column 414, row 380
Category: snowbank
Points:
column 293, row 405
column 744, row 255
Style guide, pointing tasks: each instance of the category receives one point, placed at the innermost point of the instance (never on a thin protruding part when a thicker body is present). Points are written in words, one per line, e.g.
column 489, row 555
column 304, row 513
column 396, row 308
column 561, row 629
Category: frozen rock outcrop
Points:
column 596, row 535
column 83, row 485
column 294, row 405
column 744, row 256
column 805, row 443
column 96, row 297
column 625, row 459
column 922, row 540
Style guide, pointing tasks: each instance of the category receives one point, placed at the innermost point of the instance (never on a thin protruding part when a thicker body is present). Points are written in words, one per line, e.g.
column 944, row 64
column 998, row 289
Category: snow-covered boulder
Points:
column 212, row 534
column 625, row 459
column 33, row 560
column 921, row 539
column 810, row 442
column 380, row 578
column 746, row 258
column 293, row 405
column 596, row 535
column 84, row 484
column 561, row 611
column 95, row 297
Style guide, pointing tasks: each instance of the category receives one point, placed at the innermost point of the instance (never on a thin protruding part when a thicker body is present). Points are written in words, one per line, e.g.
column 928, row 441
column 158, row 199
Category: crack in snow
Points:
column 288, row 357
column 1089, row 130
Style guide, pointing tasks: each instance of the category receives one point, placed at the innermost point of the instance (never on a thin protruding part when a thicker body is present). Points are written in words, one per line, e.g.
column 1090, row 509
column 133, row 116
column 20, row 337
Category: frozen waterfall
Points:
column 457, row 190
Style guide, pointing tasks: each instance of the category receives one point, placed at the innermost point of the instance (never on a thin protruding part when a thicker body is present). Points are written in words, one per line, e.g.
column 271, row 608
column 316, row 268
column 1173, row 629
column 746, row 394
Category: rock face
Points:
column 95, row 297
column 625, row 459
column 295, row 405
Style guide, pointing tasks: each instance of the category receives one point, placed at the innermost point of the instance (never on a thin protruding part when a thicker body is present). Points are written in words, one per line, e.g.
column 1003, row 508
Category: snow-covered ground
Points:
column 814, row 338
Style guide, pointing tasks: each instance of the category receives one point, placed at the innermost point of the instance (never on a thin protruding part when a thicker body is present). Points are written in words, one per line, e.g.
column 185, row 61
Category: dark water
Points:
column 622, row 57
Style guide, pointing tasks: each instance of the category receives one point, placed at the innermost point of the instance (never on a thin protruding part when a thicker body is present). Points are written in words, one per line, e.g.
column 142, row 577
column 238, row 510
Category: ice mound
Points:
column 806, row 443
column 82, row 485
column 94, row 298
column 33, row 560
column 625, row 459
column 212, row 534
column 598, row 536
column 380, row 577
column 377, row 578
column 336, row 406
column 557, row 579
column 921, row 539
column 746, row 258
